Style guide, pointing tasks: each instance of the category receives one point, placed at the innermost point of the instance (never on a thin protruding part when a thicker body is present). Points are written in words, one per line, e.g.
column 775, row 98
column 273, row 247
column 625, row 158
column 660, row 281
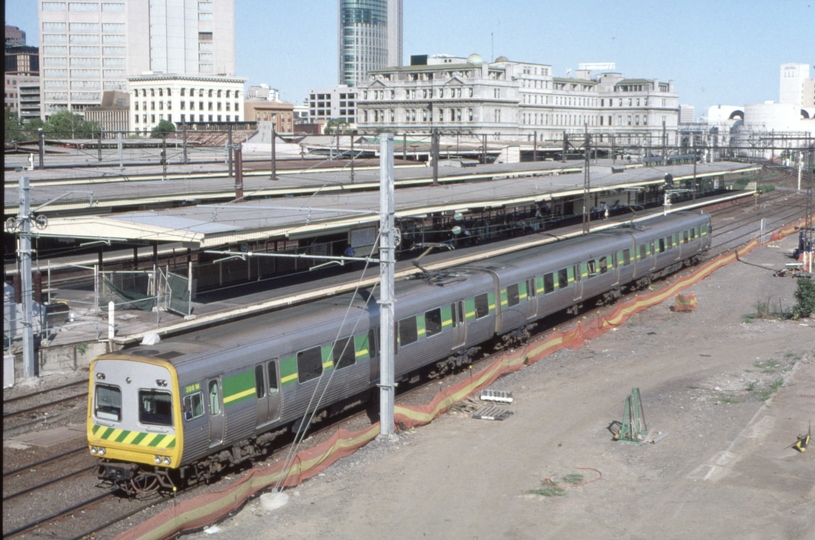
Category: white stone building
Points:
column 184, row 99
column 508, row 99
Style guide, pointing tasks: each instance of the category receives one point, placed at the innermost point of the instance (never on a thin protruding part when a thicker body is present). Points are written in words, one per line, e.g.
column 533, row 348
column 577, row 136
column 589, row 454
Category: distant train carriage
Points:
column 181, row 410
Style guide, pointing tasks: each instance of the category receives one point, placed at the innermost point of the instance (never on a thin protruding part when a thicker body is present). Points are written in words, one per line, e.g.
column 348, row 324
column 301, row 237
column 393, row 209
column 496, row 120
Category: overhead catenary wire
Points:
column 302, row 428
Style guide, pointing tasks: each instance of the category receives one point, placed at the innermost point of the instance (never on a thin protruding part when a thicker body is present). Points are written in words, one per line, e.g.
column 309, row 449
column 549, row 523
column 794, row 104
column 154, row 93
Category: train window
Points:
column 214, row 398
column 685, row 237
column 193, row 405
column 408, row 332
column 592, row 268
column 548, row 283
column 669, row 242
column 603, row 265
column 562, row 278
column 454, row 315
column 693, row 233
column 626, row 257
column 432, row 322
column 371, row 344
column 513, row 295
column 108, row 402
column 577, row 275
column 272, row 377
column 530, row 289
column 260, row 388
column 460, row 305
column 643, row 251
column 344, row 354
column 661, row 245
column 482, row 306
column 309, row 364
column 155, row 407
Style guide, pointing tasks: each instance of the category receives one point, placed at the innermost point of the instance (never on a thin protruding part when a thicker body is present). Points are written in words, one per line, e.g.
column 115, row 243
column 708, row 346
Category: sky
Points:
column 717, row 52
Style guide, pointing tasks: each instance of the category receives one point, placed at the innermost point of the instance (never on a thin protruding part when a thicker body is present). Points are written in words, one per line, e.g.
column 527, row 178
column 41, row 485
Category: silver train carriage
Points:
column 182, row 409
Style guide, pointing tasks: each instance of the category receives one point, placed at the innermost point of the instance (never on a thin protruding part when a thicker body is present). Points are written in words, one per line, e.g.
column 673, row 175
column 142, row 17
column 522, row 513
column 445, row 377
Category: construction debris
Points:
column 685, row 302
column 632, row 428
column 488, row 394
column 803, row 441
column 491, row 412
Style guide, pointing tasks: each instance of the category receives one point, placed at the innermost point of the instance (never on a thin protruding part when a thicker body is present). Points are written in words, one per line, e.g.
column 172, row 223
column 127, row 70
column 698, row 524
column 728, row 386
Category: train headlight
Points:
column 157, row 459
column 167, row 460
column 101, row 451
column 94, row 450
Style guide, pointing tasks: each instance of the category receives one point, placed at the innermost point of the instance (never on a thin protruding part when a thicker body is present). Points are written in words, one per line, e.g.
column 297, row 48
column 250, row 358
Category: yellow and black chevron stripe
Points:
column 136, row 438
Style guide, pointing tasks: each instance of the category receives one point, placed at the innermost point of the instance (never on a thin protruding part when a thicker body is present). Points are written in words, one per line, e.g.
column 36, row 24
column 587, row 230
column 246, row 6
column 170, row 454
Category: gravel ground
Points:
column 730, row 392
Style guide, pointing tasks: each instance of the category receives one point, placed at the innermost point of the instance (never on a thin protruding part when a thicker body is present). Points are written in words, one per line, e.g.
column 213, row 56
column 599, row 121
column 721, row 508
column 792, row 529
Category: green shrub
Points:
column 805, row 298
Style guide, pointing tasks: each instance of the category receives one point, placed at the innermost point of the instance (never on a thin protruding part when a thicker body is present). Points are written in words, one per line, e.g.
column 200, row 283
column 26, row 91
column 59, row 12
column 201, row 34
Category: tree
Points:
column 17, row 130
column 68, row 125
column 161, row 129
column 13, row 127
column 336, row 126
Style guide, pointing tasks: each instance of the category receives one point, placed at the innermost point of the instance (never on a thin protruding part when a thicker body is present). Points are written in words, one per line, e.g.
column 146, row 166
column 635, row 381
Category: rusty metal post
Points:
column 238, row 172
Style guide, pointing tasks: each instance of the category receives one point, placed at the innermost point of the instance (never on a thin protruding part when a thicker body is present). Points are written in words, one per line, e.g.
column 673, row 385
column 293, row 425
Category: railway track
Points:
column 31, row 403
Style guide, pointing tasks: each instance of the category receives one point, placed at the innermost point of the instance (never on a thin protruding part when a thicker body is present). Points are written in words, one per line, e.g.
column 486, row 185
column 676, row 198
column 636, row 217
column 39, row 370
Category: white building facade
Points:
column 791, row 87
column 332, row 103
column 90, row 46
column 515, row 99
column 184, row 99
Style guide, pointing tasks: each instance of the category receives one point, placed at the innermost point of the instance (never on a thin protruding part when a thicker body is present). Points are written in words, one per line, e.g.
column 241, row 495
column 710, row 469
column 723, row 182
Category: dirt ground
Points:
column 732, row 394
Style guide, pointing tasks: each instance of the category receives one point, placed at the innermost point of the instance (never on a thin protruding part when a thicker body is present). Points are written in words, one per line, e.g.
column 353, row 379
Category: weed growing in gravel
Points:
column 768, row 366
column 551, row 489
column 548, row 491
column 573, row 478
column 768, row 310
column 765, row 393
column 728, row 399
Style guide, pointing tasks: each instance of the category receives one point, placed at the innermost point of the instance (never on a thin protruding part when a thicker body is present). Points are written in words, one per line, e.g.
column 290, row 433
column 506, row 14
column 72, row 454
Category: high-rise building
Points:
column 93, row 46
column 370, row 37
column 792, row 83
column 14, row 36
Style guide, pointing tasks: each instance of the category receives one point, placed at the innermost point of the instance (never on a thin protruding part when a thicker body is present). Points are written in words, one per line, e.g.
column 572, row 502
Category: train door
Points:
column 615, row 268
column 216, row 413
column 459, row 324
column 373, row 355
column 532, row 298
column 267, row 392
column 578, row 283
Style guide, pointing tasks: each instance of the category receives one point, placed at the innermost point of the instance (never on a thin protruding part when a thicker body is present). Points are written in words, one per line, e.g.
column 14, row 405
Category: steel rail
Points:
column 46, row 460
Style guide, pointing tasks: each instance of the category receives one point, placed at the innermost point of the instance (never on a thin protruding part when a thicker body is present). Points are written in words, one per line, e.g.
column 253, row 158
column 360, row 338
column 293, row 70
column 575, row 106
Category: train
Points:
column 178, row 412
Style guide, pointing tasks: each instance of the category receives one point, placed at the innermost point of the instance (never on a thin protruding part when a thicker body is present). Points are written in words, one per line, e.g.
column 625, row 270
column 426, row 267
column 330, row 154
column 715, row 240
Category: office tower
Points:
column 92, row 46
column 370, row 37
column 791, row 89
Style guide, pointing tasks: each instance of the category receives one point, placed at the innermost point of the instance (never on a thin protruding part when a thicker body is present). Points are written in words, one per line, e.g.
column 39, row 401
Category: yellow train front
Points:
column 134, row 421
